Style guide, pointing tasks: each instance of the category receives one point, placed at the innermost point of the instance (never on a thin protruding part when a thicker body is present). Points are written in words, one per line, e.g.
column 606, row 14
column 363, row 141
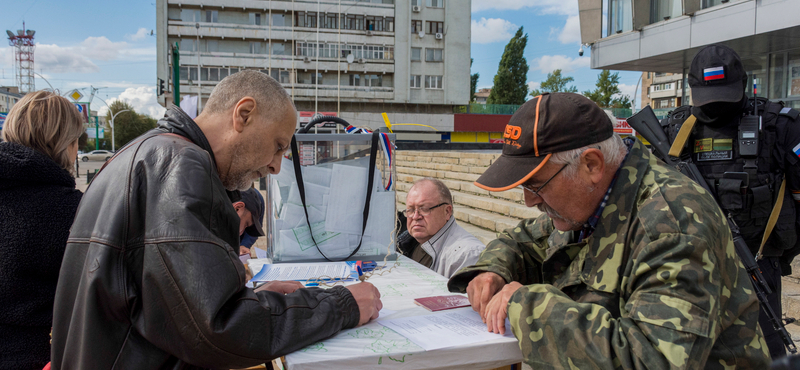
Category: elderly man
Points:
column 250, row 209
column 434, row 239
column 630, row 266
column 150, row 278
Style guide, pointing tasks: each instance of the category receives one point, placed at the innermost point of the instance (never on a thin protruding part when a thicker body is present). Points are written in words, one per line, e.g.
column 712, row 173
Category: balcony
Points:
column 666, row 93
column 285, row 62
column 309, row 91
column 358, row 7
column 251, row 32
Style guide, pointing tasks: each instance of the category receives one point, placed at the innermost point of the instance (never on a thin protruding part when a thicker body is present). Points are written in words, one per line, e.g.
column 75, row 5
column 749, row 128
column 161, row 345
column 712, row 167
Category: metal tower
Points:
column 23, row 57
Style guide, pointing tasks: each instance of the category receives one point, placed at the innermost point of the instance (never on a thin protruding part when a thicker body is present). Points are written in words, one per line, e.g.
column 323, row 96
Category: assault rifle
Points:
column 646, row 124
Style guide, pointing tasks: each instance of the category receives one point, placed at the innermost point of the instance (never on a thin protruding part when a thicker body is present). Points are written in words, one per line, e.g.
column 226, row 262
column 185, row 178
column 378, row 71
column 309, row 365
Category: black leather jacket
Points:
column 150, row 279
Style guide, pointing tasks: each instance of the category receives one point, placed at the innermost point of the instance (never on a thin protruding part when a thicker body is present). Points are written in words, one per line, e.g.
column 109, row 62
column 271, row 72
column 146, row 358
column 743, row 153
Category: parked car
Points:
column 98, row 155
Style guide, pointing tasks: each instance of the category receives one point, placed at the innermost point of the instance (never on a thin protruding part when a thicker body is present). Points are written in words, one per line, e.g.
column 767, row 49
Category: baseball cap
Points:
column 716, row 75
column 254, row 202
column 549, row 123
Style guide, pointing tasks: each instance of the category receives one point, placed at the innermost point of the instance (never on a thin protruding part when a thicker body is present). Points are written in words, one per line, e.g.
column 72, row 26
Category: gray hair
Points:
column 444, row 192
column 613, row 150
column 268, row 93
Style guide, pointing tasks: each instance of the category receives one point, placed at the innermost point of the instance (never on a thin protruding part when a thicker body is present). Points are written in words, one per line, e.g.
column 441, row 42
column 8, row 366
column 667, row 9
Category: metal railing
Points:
column 486, row 108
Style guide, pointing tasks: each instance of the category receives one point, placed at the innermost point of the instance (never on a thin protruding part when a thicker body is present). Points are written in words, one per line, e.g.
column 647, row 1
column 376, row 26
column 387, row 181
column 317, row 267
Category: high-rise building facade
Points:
column 358, row 58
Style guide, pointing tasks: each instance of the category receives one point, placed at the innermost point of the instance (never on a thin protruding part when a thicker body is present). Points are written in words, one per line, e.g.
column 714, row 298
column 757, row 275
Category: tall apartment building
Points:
column 663, row 90
column 409, row 58
column 664, row 36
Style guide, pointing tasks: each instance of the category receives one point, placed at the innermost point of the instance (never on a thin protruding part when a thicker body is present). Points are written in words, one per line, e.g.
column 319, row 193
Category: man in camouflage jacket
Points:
column 651, row 280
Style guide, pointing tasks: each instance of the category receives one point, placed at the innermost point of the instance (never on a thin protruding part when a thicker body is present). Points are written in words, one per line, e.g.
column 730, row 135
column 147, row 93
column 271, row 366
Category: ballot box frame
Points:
column 346, row 139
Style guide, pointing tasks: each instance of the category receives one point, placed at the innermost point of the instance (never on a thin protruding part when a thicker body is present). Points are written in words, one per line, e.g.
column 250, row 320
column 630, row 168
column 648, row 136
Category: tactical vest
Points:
column 745, row 187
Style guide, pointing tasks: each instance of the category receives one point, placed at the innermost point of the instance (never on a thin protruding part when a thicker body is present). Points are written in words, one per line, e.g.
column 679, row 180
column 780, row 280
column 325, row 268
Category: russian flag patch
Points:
column 796, row 150
column 715, row 73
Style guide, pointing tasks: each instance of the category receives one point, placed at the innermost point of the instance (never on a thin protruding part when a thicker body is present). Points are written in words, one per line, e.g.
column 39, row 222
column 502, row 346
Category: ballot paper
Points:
column 302, row 271
column 444, row 329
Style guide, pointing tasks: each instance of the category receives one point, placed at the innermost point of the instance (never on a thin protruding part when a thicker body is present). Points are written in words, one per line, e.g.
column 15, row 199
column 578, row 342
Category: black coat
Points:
column 38, row 201
column 152, row 278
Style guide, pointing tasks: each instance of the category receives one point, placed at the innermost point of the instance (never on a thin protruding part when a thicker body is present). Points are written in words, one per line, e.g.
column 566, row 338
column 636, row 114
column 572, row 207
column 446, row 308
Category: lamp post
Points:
column 113, row 148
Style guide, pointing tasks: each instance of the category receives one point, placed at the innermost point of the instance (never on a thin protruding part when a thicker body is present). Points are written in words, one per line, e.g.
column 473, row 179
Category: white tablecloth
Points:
column 374, row 345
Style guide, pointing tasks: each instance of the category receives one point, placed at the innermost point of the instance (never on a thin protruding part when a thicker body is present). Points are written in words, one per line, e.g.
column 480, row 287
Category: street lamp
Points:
column 112, row 127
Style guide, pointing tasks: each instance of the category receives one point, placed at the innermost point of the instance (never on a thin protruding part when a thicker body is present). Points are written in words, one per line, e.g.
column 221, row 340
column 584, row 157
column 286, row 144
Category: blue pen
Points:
column 360, row 274
column 311, row 284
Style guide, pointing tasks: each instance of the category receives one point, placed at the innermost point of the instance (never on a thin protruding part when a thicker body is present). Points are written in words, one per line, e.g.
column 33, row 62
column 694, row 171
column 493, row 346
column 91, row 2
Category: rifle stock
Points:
column 646, row 124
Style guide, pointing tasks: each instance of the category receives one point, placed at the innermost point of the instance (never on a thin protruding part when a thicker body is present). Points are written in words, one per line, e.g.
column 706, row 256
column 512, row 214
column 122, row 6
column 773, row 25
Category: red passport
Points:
column 442, row 302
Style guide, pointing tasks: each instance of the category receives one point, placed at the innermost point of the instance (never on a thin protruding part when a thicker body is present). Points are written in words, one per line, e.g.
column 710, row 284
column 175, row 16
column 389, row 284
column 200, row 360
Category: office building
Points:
column 664, row 36
column 663, row 90
column 409, row 58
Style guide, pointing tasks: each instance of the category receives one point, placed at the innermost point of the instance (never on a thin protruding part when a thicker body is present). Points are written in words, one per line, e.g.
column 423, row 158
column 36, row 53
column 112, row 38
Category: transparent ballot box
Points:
column 335, row 178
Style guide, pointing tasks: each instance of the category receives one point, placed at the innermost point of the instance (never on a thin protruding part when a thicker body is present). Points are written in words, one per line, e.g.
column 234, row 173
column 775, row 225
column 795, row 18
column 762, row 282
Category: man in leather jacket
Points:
column 150, row 277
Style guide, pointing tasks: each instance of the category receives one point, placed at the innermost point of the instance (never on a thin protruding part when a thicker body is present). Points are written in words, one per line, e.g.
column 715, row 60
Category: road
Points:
column 90, row 166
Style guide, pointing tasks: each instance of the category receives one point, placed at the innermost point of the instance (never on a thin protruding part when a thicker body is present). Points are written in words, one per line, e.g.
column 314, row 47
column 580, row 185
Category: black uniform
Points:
column 746, row 185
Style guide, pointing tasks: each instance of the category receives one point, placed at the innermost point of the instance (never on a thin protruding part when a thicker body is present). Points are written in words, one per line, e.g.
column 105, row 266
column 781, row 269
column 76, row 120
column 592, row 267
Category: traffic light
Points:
column 160, row 87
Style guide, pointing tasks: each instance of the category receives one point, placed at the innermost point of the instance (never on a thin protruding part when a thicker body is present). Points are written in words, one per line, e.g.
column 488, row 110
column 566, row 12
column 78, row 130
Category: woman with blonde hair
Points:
column 38, row 201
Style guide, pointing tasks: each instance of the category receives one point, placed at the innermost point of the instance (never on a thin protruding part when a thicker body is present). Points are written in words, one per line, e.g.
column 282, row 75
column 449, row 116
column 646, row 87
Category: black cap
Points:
column 549, row 123
column 716, row 75
column 254, row 203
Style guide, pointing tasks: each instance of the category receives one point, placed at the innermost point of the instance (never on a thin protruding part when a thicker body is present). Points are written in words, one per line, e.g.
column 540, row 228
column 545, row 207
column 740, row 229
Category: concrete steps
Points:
column 481, row 212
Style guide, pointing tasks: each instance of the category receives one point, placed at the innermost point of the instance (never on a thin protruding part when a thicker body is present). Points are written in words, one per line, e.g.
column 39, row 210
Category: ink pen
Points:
column 360, row 274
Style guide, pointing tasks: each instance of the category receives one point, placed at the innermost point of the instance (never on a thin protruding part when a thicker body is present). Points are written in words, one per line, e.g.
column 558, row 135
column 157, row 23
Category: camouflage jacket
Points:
column 658, row 285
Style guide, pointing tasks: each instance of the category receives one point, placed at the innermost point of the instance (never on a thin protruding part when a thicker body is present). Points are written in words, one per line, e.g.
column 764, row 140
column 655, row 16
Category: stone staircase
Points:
column 480, row 212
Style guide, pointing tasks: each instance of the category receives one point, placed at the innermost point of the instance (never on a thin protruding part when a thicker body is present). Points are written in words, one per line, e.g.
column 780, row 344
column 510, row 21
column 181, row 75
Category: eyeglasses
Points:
column 536, row 191
column 422, row 210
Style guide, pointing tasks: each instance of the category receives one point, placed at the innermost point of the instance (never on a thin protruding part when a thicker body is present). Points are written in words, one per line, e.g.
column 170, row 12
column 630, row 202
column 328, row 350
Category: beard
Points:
column 241, row 175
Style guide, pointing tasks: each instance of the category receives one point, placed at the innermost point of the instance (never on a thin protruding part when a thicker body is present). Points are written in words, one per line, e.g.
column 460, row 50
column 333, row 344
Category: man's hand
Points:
column 481, row 290
column 369, row 301
column 243, row 250
column 497, row 309
column 284, row 287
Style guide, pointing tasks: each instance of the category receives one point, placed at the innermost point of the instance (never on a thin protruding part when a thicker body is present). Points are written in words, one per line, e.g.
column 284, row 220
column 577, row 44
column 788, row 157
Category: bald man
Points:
column 434, row 239
column 151, row 278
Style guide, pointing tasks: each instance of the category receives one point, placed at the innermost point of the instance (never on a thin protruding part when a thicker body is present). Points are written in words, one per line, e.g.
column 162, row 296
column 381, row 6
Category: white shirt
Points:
column 452, row 248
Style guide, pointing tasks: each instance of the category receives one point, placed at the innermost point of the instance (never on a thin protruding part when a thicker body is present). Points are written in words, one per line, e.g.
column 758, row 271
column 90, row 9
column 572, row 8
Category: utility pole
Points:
column 176, row 75
column 96, row 132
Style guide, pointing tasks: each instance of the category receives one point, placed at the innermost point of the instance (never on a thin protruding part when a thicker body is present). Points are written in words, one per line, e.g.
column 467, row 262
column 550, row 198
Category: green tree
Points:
column 510, row 82
column 473, row 82
column 127, row 125
column 607, row 87
column 555, row 82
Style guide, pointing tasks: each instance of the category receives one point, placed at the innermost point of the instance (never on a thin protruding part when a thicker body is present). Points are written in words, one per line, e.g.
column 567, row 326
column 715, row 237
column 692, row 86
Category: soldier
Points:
column 745, row 166
column 630, row 266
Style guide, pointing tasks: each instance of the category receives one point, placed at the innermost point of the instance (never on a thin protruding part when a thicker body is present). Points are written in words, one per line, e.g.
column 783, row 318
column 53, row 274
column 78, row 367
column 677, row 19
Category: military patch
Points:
column 796, row 150
column 703, row 145
column 723, row 144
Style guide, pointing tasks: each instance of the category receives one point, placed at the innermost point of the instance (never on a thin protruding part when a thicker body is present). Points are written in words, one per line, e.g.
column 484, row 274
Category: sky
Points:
column 107, row 44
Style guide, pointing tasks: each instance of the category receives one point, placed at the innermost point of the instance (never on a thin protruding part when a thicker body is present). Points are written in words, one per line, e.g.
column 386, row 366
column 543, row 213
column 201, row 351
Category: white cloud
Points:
column 142, row 99
column 559, row 7
column 485, row 31
column 140, row 34
column 571, row 33
column 533, row 85
column 101, row 48
column 629, row 90
column 549, row 63
column 57, row 59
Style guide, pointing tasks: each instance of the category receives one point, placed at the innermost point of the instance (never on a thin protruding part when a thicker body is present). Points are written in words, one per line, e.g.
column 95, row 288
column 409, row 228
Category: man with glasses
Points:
column 631, row 264
column 433, row 237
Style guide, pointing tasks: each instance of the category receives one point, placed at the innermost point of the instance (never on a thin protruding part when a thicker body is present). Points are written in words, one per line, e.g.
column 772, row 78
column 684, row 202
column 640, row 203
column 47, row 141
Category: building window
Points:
column 190, row 15
column 212, row 46
column 255, row 47
column 416, row 54
column 415, row 81
column 188, row 45
column 211, row 16
column 433, row 55
column 355, row 80
column 306, row 19
column 278, row 49
column 280, row 76
column 433, row 82
column 373, row 80
column 435, row 27
column 416, row 26
column 415, row 2
column 436, row 3
column 278, row 20
column 331, row 21
column 223, row 72
column 255, row 19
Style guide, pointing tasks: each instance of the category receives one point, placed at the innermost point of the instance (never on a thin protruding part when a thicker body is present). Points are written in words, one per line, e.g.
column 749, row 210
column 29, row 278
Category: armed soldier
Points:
column 745, row 148
column 629, row 265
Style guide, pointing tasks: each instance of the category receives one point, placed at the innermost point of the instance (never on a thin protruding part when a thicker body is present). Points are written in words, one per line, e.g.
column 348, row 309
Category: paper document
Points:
column 302, row 271
column 446, row 329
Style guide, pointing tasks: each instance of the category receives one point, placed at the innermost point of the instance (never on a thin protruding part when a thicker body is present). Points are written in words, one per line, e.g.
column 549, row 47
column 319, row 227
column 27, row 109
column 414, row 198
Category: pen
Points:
column 360, row 274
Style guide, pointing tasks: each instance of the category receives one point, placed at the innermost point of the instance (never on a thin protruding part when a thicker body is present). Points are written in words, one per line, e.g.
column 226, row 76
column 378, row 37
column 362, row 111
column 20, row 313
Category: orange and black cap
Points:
column 549, row 123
